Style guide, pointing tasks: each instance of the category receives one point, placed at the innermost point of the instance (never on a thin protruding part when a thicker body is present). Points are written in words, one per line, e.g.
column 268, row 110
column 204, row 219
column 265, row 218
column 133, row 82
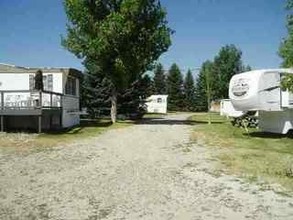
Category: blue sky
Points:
column 30, row 31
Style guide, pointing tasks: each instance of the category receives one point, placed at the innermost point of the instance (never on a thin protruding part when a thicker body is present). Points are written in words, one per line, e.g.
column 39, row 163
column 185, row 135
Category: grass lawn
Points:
column 35, row 142
column 257, row 156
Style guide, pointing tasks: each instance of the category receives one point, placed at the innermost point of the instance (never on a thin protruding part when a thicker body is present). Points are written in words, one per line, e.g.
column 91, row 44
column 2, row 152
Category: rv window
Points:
column 159, row 100
column 70, row 88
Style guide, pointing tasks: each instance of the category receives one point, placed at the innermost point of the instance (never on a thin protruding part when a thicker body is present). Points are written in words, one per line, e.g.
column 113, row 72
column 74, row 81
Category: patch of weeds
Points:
column 20, row 142
column 103, row 213
column 254, row 155
column 190, row 165
column 43, row 211
column 289, row 172
column 186, row 148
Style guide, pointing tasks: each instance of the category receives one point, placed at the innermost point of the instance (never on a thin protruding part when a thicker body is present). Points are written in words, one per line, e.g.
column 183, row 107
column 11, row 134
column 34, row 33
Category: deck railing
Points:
column 29, row 99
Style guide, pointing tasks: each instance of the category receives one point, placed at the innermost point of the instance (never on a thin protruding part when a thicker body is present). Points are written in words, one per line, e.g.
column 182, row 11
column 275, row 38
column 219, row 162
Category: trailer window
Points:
column 70, row 88
column 48, row 82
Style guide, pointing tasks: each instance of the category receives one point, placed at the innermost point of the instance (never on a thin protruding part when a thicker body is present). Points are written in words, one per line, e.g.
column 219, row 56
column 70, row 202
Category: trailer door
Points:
column 270, row 94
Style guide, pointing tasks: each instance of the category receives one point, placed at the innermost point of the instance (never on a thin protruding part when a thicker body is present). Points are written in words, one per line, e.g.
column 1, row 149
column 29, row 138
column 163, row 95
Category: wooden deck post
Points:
column 39, row 123
column 2, row 100
column 40, row 99
column 60, row 120
column 2, row 116
column 51, row 100
column 40, row 116
column 2, row 123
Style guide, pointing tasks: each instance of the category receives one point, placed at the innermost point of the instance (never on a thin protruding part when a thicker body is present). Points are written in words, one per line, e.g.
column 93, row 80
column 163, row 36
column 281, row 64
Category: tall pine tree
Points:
column 131, row 103
column 203, row 83
column 146, row 87
column 159, row 80
column 175, row 89
column 95, row 93
column 189, row 92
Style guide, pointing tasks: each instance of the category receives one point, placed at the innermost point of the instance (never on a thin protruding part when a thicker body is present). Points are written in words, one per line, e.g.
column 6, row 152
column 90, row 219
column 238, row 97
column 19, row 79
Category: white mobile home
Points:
column 54, row 106
column 260, row 90
column 157, row 104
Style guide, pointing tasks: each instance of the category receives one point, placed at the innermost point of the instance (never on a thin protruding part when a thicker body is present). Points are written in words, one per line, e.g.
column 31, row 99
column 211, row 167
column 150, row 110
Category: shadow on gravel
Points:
column 162, row 121
column 84, row 124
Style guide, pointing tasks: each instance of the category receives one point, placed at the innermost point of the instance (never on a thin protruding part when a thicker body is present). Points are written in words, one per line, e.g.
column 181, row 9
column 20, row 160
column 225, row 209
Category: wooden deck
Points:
column 29, row 103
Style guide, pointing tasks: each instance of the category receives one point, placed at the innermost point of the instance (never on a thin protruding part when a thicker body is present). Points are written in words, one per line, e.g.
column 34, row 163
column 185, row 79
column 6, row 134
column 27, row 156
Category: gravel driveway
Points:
column 146, row 171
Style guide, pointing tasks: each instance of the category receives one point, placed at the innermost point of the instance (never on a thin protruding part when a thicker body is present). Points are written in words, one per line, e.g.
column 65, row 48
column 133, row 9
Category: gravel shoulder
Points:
column 146, row 171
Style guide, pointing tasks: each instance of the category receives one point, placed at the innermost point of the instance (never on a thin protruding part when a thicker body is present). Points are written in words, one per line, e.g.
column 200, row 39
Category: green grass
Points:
column 88, row 129
column 255, row 155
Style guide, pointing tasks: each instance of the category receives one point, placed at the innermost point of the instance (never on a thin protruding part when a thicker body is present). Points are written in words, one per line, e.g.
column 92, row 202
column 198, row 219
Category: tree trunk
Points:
column 209, row 110
column 113, row 106
column 208, row 92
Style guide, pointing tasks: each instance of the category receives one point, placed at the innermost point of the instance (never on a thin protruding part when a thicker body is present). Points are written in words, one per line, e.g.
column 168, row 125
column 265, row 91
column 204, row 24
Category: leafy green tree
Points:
column 175, row 89
column 226, row 64
column 159, row 80
column 119, row 38
column 214, row 77
column 286, row 49
column 189, row 91
column 287, row 82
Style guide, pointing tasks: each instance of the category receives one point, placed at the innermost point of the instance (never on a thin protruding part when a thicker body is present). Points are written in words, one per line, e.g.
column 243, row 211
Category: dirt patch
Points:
column 147, row 171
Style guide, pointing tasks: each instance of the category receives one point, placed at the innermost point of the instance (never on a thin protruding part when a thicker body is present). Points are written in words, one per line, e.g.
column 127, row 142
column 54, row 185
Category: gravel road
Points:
column 146, row 171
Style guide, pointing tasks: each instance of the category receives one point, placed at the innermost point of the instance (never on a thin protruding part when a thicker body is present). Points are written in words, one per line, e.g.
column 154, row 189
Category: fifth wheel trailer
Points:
column 260, row 90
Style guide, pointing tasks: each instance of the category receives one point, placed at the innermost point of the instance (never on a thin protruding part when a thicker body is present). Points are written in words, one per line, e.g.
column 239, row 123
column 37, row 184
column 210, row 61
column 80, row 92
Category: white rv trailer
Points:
column 54, row 107
column 260, row 90
column 157, row 104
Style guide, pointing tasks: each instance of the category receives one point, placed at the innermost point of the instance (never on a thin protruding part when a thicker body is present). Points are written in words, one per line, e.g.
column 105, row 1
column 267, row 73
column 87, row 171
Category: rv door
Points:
column 270, row 93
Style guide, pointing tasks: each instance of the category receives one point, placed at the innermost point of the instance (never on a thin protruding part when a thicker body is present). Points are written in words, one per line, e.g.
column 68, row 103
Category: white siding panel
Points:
column 16, row 81
column 57, row 83
column 70, row 111
column 20, row 81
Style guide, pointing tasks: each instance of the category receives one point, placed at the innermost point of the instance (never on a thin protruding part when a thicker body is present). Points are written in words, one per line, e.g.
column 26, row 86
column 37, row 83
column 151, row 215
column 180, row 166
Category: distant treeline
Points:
column 187, row 92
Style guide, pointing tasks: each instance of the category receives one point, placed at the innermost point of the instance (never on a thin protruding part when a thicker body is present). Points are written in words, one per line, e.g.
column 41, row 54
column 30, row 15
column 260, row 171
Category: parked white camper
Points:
column 22, row 105
column 260, row 90
column 157, row 104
